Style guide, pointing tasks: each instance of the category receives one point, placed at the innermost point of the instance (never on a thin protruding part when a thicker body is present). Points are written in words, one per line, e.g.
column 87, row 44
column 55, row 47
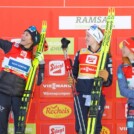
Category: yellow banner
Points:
column 54, row 46
column 118, row 95
column 30, row 128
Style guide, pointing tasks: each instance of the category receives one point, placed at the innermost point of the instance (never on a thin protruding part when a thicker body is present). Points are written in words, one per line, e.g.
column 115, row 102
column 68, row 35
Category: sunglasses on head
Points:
column 32, row 29
column 94, row 27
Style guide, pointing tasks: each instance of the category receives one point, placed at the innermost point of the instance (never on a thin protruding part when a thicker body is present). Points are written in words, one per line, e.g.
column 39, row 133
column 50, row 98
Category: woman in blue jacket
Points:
column 126, row 79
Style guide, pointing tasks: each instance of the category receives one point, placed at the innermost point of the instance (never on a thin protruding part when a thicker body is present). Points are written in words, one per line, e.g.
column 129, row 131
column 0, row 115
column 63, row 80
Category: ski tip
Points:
column 44, row 22
column 111, row 14
column 111, row 10
column 44, row 25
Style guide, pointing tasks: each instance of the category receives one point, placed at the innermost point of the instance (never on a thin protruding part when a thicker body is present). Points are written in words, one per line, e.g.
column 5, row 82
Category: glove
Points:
column 40, row 78
column 103, row 74
column 39, row 56
column 40, row 74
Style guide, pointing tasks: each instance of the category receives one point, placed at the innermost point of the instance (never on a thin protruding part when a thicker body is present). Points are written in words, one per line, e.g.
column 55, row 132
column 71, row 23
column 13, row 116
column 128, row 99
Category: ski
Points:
column 98, row 82
column 30, row 83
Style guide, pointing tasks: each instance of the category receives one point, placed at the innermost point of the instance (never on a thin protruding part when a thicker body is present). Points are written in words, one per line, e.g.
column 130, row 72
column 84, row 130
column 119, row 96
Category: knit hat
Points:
column 34, row 34
column 96, row 33
column 129, row 42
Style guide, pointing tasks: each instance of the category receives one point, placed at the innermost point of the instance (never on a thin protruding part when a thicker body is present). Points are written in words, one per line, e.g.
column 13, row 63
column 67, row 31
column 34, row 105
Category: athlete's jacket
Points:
column 125, row 75
column 15, row 68
column 84, row 69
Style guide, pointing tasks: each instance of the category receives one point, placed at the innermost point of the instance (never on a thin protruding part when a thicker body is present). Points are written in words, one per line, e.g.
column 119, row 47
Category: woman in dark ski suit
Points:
column 84, row 69
column 14, row 73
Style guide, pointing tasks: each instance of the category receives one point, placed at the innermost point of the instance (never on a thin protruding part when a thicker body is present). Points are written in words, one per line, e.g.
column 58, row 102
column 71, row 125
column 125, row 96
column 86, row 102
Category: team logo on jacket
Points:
column 91, row 59
column 23, row 54
column 56, row 68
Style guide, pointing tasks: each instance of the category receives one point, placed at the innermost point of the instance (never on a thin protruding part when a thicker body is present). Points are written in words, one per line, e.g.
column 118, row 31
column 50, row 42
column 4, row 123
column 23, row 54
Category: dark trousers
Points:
column 8, row 103
column 130, row 120
column 85, row 110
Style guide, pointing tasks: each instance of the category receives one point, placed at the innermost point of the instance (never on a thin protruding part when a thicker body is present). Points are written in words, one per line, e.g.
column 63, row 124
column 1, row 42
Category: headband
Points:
column 96, row 33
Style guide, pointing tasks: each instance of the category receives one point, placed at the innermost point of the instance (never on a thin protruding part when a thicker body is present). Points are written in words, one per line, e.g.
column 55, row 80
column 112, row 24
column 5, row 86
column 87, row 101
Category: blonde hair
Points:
column 126, row 60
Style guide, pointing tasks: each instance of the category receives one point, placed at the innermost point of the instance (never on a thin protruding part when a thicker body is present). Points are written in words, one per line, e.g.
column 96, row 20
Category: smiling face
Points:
column 26, row 40
column 127, row 49
column 90, row 41
column 126, row 52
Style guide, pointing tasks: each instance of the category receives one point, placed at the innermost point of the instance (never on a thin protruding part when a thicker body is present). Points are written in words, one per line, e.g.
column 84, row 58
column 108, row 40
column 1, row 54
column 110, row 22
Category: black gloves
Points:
column 40, row 77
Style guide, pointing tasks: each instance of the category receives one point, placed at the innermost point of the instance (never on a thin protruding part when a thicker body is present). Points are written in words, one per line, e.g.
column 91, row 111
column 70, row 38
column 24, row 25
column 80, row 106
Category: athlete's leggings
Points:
column 85, row 111
column 130, row 120
column 8, row 103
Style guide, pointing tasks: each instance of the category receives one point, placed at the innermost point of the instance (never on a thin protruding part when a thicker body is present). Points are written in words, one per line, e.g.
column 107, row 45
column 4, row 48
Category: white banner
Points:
column 84, row 22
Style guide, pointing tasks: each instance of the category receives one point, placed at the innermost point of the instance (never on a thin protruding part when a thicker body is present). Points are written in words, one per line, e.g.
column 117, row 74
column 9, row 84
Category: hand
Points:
column 39, row 56
column 103, row 74
column 71, row 80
